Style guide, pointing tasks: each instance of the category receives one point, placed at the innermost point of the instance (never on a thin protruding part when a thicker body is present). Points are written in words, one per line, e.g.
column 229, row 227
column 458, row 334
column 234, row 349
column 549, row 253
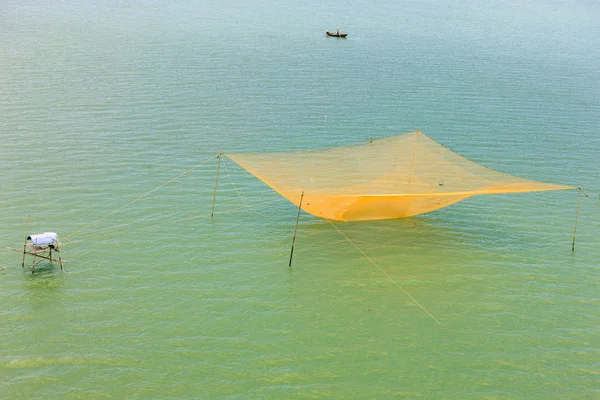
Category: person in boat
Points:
column 338, row 31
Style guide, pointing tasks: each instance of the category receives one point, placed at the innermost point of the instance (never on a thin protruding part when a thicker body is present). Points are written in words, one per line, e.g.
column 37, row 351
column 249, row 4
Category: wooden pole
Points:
column 59, row 257
column 295, row 229
column 24, row 249
column 25, row 241
column 576, row 219
column 216, row 183
column 41, row 256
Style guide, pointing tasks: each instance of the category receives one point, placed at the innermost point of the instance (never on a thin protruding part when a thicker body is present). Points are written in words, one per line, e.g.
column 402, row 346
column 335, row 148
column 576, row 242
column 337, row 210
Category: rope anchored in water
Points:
column 141, row 197
column 173, row 222
column 238, row 192
column 390, row 278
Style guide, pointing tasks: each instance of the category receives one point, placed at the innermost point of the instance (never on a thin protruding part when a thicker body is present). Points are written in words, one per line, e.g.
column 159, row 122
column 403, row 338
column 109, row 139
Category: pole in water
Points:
column 59, row 257
column 216, row 183
column 295, row 229
column 25, row 241
column 576, row 218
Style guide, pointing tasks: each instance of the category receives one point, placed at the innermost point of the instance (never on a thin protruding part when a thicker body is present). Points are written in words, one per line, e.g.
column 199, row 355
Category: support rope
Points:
column 171, row 222
column 141, row 197
column 390, row 278
column 587, row 194
column 238, row 192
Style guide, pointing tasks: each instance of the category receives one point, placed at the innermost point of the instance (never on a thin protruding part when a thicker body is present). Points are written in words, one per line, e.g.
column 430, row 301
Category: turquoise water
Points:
column 102, row 102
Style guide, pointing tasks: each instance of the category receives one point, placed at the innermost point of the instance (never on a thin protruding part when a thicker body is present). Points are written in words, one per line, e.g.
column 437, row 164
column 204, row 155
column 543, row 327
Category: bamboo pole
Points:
column 576, row 219
column 24, row 252
column 38, row 255
column 59, row 257
column 25, row 241
column 216, row 183
column 296, row 229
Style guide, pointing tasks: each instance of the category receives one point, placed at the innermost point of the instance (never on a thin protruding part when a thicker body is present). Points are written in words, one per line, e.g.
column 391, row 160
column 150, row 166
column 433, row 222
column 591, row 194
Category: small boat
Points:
column 336, row 34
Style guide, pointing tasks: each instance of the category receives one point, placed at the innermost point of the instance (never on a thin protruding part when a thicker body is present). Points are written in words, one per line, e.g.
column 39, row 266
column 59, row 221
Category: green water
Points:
column 101, row 102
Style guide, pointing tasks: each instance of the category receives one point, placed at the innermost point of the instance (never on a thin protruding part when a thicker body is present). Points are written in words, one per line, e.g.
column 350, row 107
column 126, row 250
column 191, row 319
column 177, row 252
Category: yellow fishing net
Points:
column 388, row 178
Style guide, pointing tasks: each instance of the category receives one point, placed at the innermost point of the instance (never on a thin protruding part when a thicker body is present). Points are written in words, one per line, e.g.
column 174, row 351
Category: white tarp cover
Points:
column 43, row 238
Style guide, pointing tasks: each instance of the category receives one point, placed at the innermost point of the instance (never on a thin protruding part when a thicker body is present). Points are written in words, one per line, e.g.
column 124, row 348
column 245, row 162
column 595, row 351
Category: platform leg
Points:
column 59, row 258
column 24, row 249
